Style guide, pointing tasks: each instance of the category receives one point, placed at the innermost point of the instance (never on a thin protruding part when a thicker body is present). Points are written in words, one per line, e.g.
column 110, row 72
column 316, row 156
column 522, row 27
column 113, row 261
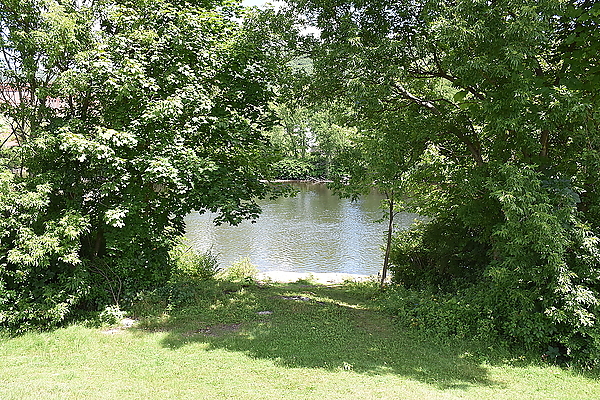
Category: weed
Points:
column 190, row 264
column 308, row 280
column 240, row 271
column 111, row 315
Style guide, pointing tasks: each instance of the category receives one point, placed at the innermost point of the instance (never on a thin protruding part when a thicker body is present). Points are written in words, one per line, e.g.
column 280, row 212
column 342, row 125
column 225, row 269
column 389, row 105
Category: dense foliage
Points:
column 125, row 115
column 131, row 114
column 309, row 140
column 495, row 104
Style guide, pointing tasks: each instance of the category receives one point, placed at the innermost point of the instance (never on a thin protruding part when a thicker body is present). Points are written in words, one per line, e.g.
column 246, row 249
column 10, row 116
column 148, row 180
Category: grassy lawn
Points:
column 279, row 341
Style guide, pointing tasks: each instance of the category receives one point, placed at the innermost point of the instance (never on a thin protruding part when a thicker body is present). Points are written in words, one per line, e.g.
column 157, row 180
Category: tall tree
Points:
column 162, row 113
column 505, row 100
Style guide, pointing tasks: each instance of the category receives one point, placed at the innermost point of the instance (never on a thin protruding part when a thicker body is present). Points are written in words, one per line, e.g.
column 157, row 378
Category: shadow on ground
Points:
column 300, row 326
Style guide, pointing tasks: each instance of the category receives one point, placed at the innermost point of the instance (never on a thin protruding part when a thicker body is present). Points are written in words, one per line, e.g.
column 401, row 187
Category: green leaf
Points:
column 459, row 96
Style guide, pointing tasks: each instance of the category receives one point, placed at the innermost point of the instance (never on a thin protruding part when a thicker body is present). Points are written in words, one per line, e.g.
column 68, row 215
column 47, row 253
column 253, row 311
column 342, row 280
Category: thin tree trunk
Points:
column 388, row 245
column 544, row 141
column 98, row 243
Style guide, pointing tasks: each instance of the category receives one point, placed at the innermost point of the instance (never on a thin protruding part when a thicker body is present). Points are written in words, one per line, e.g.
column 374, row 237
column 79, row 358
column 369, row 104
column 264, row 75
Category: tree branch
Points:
column 422, row 102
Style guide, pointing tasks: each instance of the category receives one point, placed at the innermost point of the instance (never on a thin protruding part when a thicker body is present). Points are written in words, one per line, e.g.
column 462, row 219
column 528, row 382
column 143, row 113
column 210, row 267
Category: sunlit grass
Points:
column 275, row 342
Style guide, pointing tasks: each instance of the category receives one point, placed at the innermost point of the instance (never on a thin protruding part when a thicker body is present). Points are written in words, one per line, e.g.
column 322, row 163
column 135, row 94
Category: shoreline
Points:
column 316, row 277
column 315, row 180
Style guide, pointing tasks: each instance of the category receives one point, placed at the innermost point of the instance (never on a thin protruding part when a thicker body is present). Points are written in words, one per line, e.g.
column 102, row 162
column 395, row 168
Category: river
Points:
column 314, row 231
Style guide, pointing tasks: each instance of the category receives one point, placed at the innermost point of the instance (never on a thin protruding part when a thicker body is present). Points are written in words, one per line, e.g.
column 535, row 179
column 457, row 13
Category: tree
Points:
column 38, row 42
column 310, row 139
column 505, row 121
column 374, row 159
column 162, row 113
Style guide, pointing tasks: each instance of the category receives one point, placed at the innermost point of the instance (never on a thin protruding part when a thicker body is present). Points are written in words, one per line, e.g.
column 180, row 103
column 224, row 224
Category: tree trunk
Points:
column 544, row 142
column 388, row 245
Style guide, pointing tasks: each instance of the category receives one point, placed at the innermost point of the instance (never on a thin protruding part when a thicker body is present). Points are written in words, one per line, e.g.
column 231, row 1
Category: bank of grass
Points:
column 278, row 341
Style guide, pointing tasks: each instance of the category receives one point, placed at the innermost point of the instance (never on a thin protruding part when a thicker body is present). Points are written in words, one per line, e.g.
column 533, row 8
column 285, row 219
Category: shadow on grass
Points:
column 299, row 326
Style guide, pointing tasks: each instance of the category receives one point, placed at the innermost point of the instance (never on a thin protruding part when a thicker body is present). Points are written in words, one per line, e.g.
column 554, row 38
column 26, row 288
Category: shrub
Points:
column 151, row 303
column 517, row 258
column 445, row 315
column 293, row 169
column 441, row 253
column 111, row 315
column 42, row 279
column 241, row 271
column 190, row 264
column 46, row 275
column 127, row 269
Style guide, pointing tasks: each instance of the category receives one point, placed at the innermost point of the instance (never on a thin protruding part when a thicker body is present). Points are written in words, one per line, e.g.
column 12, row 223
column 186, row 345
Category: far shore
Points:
column 315, row 180
column 321, row 278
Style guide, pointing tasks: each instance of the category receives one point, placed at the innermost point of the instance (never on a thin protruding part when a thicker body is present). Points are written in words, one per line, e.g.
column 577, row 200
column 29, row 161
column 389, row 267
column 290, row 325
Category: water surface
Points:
column 314, row 231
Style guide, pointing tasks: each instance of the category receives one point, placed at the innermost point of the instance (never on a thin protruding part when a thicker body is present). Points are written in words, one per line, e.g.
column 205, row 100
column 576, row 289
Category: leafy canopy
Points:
column 489, row 110
column 134, row 113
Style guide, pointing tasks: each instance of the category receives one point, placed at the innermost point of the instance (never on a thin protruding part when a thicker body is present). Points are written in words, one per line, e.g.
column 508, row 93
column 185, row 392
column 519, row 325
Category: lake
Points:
column 314, row 231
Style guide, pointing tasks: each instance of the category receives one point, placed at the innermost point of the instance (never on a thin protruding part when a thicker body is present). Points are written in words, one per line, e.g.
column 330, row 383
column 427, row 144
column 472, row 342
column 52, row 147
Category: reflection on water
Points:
column 314, row 231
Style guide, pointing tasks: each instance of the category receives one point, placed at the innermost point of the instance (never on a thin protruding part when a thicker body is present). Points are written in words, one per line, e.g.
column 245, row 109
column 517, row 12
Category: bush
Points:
column 241, row 271
column 42, row 279
column 152, row 303
column 441, row 253
column 445, row 315
column 190, row 264
column 111, row 315
column 515, row 256
column 127, row 269
column 293, row 169
column 46, row 275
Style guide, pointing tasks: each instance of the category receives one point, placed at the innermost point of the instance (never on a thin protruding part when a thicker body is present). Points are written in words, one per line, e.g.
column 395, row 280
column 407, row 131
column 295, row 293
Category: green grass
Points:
column 328, row 345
